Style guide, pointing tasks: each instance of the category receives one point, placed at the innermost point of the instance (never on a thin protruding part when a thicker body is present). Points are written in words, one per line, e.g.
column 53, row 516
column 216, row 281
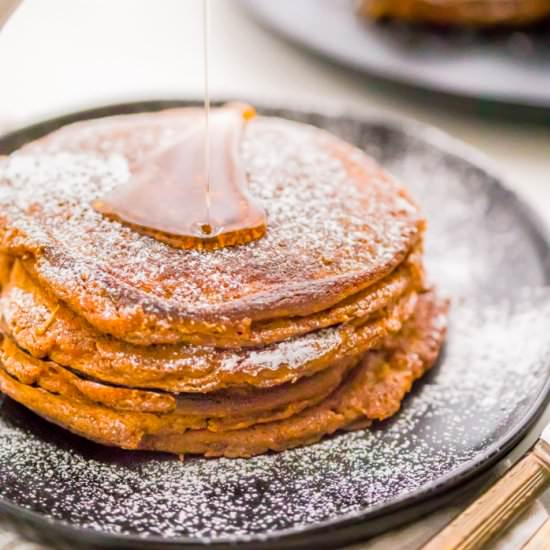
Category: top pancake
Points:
column 336, row 225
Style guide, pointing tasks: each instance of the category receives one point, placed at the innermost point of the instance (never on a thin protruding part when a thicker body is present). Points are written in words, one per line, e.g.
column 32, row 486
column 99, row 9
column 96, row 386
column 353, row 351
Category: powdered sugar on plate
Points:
column 485, row 252
column 494, row 363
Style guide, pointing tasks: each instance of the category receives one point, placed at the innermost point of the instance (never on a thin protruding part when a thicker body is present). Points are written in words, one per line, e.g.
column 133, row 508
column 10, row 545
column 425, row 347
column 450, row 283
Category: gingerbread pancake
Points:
column 459, row 12
column 45, row 327
column 216, row 411
column 321, row 324
column 407, row 277
column 337, row 224
column 372, row 391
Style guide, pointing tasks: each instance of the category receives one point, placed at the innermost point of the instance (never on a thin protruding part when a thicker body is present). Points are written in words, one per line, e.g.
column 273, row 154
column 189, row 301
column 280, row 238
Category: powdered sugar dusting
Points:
column 493, row 370
column 320, row 224
column 495, row 357
column 293, row 354
column 290, row 353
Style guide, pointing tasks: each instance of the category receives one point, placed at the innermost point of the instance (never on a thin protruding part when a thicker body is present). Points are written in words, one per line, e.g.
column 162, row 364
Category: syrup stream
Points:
column 206, row 227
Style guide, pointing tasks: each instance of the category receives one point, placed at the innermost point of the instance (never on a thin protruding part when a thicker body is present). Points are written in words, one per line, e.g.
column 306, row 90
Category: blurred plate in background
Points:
column 506, row 71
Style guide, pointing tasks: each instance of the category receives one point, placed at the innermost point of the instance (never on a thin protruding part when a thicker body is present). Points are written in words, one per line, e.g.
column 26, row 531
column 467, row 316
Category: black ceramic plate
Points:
column 484, row 246
column 509, row 67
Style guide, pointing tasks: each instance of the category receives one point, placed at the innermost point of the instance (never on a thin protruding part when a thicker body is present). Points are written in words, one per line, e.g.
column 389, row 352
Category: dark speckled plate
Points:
column 501, row 72
column 485, row 248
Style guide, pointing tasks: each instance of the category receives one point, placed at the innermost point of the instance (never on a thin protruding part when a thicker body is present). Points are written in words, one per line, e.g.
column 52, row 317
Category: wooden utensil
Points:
column 495, row 510
column 540, row 540
column 7, row 7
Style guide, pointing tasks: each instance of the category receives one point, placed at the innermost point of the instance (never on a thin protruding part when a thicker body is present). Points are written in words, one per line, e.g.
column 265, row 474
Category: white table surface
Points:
column 60, row 55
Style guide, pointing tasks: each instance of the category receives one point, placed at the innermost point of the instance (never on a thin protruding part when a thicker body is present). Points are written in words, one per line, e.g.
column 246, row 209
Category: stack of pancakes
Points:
column 483, row 13
column 321, row 325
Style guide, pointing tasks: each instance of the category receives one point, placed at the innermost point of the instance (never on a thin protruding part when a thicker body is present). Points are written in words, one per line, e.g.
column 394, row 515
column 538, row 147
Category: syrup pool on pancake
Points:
column 189, row 199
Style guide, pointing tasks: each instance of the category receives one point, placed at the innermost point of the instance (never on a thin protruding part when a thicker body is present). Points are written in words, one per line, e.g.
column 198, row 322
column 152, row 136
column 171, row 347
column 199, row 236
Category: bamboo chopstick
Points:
column 496, row 509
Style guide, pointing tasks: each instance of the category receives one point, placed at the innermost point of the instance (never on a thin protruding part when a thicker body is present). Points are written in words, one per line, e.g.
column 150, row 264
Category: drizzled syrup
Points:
column 205, row 44
column 194, row 194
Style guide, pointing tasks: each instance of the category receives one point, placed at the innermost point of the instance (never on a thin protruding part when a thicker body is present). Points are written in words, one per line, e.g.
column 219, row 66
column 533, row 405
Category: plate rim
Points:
column 451, row 481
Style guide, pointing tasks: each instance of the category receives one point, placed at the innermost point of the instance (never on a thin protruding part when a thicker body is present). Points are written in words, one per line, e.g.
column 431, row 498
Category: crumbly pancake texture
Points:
column 337, row 224
column 40, row 324
column 372, row 391
column 459, row 12
column 217, row 411
column 407, row 277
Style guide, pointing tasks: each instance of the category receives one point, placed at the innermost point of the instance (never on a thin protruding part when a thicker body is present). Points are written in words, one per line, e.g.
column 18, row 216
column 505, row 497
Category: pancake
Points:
column 322, row 324
column 373, row 391
column 337, row 224
column 409, row 276
column 459, row 12
column 43, row 326
column 217, row 411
